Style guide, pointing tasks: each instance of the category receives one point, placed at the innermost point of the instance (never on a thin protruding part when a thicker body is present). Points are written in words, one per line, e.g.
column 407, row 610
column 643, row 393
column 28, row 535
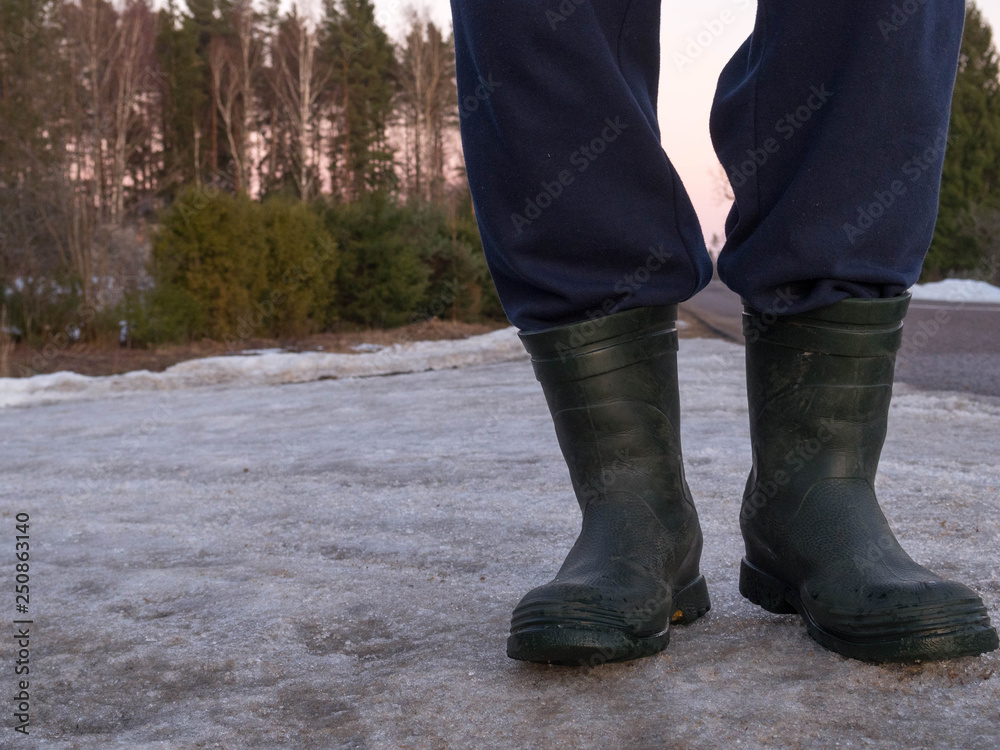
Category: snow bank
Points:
column 268, row 368
column 957, row 290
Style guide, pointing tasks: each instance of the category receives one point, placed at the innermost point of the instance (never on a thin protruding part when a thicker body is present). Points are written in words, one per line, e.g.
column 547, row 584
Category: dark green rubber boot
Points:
column 817, row 543
column 611, row 387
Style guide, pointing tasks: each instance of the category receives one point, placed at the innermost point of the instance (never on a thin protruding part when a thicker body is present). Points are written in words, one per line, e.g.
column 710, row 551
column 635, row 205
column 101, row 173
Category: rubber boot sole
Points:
column 578, row 646
column 780, row 598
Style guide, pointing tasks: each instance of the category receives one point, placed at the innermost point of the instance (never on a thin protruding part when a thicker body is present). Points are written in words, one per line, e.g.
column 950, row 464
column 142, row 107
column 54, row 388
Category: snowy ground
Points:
column 332, row 564
column 268, row 367
column 957, row 290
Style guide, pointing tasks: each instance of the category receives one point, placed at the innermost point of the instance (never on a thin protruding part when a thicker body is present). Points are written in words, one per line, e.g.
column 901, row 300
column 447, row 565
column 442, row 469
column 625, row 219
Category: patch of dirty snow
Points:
column 957, row 290
column 268, row 368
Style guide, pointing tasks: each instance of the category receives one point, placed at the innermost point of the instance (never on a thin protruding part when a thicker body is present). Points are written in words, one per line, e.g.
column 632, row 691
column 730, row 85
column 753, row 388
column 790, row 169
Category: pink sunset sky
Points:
column 713, row 29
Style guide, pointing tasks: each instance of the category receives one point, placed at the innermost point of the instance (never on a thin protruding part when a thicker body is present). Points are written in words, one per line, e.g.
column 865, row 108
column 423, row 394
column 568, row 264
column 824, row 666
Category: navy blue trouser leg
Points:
column 831, row 121
column 580, row 211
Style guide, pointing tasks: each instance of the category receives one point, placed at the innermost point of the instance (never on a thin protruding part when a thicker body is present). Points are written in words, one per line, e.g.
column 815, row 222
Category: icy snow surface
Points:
column 268, row 367
column 957, row 290
column 333, row 565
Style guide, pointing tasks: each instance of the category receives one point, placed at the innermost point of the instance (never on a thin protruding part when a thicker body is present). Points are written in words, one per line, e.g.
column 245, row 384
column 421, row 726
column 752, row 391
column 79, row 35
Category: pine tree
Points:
column 297, row 82
column 206, row 22
column 183, row 97
column 29, row 151
column 970, row 184
column 362, row 62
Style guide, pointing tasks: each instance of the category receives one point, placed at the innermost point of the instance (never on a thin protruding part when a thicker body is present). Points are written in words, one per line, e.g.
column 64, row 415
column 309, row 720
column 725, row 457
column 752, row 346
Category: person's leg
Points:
column 590, row 238
column 831, row 121
column 580, row 211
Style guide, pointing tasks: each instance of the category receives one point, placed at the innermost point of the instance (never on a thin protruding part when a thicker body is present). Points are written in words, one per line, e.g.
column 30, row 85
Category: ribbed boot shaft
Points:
column 819, row 387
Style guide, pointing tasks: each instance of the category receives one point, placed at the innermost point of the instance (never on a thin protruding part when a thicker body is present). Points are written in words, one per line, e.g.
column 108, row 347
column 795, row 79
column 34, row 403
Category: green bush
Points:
column 164, row 313
column 455, row 267
column 229, row 268
column 211, row 248
column 302, row 262
column 405, row 264
column 381, row 280
column 465, row 233
column 40, row 309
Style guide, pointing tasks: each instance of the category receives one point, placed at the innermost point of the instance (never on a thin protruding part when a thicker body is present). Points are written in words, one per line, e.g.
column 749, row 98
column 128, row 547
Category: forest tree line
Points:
column 115, row 117
column 173, row 168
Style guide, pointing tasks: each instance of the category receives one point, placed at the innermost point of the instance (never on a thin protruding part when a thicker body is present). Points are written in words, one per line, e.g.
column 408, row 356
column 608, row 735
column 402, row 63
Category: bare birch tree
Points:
column 132, row 64
column 427, row 103
column 234, row 63
column 299, row 82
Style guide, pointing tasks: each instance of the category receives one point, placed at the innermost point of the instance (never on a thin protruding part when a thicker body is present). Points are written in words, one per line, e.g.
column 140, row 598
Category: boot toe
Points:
column 579, row 625
column 582, row 647
column 566, row 604
column 906, row 621
column 891, row 620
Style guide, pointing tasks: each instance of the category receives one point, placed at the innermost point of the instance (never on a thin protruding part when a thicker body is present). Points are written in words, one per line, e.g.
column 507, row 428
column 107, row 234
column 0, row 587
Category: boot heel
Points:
column 691, row 602
column 764, row 590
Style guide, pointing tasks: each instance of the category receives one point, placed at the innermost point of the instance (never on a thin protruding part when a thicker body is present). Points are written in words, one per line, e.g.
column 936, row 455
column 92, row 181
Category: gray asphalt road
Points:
column 950, row 346
column 719, row 309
